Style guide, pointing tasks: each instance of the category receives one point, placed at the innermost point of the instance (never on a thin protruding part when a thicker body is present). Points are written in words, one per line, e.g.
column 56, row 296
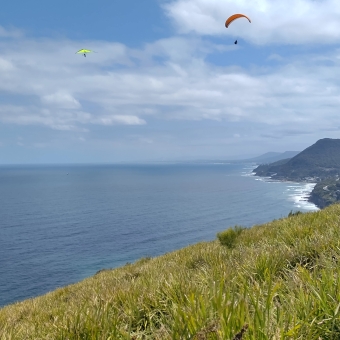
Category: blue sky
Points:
column 167, row 83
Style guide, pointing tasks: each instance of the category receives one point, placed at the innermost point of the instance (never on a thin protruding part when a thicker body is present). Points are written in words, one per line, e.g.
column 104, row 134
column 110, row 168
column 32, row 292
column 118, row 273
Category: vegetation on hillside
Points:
column 269, row 169
column 280, row 280
column 317, row 162
column 326, row 192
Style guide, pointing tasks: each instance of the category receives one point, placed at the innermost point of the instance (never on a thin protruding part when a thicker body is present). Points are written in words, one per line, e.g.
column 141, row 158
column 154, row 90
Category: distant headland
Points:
column 319, row 163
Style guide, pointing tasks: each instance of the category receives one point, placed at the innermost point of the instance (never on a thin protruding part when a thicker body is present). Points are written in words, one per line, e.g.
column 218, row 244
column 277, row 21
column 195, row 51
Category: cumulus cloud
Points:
column 273, row 21
column 167, row 82
column 65, row 91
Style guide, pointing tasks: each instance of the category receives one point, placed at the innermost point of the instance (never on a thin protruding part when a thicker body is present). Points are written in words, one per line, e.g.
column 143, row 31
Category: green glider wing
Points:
column 84, row 51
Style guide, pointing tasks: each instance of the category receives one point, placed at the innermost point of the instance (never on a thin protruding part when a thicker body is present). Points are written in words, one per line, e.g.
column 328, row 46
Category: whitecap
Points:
column 300, row 196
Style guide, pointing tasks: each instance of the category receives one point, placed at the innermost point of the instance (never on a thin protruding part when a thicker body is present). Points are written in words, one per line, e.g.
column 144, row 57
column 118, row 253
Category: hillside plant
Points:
column 228, row 237
column 294, row 213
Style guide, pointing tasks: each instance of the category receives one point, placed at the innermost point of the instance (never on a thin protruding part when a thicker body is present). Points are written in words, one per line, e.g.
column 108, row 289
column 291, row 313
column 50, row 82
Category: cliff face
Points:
column 326, row 192
column 318, row 162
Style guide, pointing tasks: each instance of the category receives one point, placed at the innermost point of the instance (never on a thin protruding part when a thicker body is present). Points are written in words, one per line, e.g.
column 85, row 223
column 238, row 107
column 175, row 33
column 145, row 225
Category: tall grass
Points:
column 280, row 280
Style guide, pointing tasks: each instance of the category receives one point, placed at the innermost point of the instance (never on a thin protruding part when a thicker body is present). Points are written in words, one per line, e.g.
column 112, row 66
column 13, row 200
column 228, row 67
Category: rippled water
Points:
column 60, row 224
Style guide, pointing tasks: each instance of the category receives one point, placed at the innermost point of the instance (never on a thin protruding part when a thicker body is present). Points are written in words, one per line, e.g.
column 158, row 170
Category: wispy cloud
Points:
column 10, row 33
column 61, row 99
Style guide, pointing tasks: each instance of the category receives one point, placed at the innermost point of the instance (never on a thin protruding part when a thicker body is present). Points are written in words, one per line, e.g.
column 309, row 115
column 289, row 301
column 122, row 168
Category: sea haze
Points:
column 60, row 224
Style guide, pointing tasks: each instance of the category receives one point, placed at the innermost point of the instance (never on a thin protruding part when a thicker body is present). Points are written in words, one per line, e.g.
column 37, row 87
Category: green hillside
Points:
column 280, row 280
column 319, row 161
column 269, row 169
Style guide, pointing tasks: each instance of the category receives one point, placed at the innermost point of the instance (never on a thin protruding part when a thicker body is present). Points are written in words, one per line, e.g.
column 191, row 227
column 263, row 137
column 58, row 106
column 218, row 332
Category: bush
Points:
column 294, row 213
column 229, row 236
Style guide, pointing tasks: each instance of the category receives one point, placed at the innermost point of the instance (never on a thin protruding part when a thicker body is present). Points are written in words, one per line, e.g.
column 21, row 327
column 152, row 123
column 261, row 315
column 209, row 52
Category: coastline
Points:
column 301, row 196
column 306, row 192
column 184, row 204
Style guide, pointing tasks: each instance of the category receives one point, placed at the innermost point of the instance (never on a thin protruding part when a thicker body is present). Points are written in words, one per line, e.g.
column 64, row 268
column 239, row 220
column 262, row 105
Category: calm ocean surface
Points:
column 61, row 224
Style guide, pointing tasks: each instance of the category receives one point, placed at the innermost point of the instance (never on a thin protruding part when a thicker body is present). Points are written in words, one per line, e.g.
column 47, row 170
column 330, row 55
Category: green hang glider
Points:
column 83, row 51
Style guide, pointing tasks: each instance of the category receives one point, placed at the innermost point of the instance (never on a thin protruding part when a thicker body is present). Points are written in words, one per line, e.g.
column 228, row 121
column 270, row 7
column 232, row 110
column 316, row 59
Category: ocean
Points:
column 61, row 224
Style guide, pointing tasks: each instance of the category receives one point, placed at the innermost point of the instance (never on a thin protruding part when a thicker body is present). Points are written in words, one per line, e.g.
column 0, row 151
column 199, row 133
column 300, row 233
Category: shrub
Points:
column 229, row 236
column 294, row 213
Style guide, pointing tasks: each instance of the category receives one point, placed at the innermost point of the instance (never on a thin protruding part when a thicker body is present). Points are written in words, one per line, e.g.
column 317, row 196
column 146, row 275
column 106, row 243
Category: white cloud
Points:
column 31, row 115
column 6, row 65
column 273, row 21
column 164, row 85
column 120, row 119
column 275, row 56
column 61, row 100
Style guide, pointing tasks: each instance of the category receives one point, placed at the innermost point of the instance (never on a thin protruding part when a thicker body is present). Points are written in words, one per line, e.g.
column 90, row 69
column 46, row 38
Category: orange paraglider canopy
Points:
column 234, row 17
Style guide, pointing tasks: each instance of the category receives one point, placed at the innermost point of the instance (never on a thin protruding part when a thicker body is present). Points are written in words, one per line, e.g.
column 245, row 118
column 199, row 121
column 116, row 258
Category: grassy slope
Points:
column 279, row 281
